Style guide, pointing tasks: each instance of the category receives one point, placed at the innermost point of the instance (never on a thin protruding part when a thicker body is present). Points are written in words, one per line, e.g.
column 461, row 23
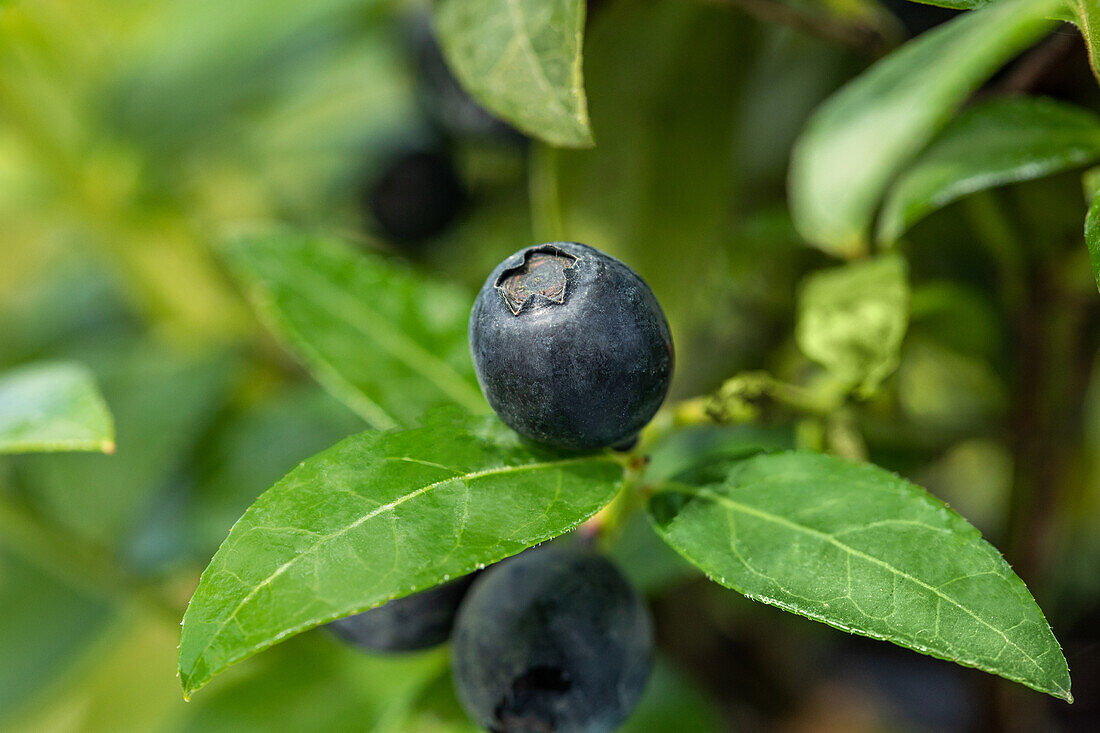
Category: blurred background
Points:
column 135, row 134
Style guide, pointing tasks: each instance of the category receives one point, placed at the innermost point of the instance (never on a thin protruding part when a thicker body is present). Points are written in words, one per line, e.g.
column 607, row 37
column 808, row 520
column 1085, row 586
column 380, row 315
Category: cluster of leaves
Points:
column 781, row 529
column 438, row 487
column 385, row 514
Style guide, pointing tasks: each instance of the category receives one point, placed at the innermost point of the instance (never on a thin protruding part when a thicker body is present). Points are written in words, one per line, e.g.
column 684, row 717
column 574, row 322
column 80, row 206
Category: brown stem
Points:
column 1035, row 65
column 859, row 36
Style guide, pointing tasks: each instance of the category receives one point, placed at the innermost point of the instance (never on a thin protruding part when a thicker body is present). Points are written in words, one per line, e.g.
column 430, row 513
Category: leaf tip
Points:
column 1063, row 692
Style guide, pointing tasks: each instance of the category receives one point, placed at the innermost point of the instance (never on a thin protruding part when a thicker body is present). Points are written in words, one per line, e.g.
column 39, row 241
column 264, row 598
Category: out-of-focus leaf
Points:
column 389, row 343
column 186, row 68
column 66, row 299
column 670, row 703
column 438, row 710
column 861, row 549
column 851, row 319
column 53, row 407
column 791, row 74
column 649, row 564
column 124, row 681
column 380, row 516
column 161, row 400
column 943, row 390
column 991, row 144
column 861, row 138
column 974, row 477
column 45, row 623
column 659, row 190
column 522, row 60
column 334, row 120
column 119, row 680
column 314, row 683
column 958, row 317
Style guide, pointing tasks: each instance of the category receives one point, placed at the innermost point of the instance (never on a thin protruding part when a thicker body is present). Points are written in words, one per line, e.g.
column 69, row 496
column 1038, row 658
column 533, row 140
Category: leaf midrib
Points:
column 734, row 505
column 465, row 477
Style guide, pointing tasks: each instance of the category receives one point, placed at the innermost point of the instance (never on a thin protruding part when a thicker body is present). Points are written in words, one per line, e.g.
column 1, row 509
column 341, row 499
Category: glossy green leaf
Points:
column 861, row 549
column 522, row 60
column 851, row 319
column 389, row 343
column 991, row 144
column 860, row 139
column 378, row 516
column 53, row 407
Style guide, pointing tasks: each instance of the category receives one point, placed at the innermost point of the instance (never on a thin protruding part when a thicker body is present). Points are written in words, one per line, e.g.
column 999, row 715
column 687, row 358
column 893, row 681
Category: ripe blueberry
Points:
column 571, row 347
column 415, row 198
column 551, row 640
column 406, row 624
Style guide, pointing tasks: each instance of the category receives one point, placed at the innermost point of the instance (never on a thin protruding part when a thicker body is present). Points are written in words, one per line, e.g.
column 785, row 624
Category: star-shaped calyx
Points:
column 541, row 273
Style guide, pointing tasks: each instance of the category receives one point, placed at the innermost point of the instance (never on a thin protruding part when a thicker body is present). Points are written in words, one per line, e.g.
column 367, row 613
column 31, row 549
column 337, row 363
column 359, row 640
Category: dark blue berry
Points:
column 571, row 347
column 416, row 197
column 419, row 621
column 551, row 640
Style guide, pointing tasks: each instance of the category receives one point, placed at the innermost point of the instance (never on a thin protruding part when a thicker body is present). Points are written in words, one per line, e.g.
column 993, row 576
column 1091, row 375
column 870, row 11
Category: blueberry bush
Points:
column 788, row 312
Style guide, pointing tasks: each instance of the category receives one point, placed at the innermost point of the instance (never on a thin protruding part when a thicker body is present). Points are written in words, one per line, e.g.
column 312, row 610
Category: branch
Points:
column 859, row 36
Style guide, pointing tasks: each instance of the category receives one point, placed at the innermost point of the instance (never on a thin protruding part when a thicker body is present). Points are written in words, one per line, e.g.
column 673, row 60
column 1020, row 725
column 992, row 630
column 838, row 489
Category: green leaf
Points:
column 991, row 144
column 851, row 319
column 1085, row 14
column 863, row 550
column 53, row 407
column 1092, row 238
column 387, row 342
column 379, row 516
column 861, row 138
column 522, row 60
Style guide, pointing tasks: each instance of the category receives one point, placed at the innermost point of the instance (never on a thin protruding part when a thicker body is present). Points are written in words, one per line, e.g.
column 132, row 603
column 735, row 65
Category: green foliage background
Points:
column 137, row 135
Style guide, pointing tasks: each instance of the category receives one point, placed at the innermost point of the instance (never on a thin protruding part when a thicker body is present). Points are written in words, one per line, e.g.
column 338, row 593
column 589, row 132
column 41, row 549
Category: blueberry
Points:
column 571, row 347
column 551, row 640
column 419, row 621
column 417, row 196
